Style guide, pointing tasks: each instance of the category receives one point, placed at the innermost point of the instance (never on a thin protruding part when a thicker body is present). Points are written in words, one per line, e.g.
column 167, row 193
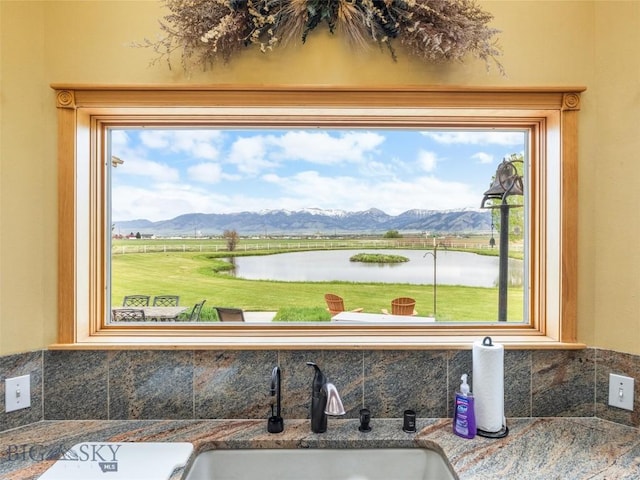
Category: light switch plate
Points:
column 621, row 391
column 17, row 393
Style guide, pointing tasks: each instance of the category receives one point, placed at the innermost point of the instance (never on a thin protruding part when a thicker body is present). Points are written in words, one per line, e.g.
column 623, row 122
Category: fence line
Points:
column 330, row 245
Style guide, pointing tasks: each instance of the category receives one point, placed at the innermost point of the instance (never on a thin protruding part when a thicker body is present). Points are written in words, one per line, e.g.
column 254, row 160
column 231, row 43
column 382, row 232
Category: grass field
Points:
column 196, row 276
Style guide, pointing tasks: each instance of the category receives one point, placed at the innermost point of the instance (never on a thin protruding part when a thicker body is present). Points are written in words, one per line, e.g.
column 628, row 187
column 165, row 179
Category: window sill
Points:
column 313, row 342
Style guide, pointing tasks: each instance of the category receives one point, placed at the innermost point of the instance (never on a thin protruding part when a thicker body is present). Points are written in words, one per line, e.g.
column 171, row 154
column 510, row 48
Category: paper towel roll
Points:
column 488, row 385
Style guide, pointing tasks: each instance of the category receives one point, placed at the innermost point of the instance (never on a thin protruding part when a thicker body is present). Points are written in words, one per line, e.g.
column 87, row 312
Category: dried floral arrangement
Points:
column 207, row 31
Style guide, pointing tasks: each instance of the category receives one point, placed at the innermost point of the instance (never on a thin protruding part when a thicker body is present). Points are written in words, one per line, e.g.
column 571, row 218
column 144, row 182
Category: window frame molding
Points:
column 81, row 252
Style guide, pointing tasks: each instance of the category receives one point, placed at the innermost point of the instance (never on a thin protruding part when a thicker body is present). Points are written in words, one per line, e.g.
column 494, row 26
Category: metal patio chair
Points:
column 136, row 301
column 166, row 300
column 128, row 315
column 194, row 316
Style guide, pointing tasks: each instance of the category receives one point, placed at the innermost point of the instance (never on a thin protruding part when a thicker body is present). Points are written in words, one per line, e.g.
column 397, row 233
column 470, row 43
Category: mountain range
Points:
column 313, row 221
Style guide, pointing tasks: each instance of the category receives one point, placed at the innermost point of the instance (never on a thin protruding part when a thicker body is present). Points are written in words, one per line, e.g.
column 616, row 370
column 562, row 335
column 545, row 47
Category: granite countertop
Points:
column 536, row 448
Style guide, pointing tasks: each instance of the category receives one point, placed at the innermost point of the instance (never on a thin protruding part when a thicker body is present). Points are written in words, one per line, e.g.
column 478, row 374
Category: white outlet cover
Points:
column 621, row 391
column 17, row 393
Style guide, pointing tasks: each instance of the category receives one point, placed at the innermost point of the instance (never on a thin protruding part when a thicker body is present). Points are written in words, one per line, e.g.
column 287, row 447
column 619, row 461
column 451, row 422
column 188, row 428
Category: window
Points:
column 205, row 211
column 94, row 122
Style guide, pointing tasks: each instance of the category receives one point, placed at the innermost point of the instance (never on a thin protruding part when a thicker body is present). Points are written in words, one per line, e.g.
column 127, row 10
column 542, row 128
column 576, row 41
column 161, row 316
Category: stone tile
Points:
column 517, row 383
column 233, row 384
column 150, row 384
column 11, row 366
column 75, row 385
column 628, row 365
column 396, row 380
column 563, row 383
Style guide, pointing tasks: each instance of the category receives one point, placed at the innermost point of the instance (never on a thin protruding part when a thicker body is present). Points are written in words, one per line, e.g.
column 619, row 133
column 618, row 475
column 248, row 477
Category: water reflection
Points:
column 454, row 268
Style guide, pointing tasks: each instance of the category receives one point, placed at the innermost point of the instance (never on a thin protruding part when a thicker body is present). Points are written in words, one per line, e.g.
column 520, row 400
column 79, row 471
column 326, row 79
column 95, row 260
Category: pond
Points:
column 453, row 268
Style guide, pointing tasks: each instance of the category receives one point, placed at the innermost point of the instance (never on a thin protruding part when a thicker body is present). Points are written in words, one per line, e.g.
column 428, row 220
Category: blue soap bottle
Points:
column 464, row 417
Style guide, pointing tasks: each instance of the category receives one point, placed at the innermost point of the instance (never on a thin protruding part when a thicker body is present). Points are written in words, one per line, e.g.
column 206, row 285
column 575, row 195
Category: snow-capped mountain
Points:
column 311, row 221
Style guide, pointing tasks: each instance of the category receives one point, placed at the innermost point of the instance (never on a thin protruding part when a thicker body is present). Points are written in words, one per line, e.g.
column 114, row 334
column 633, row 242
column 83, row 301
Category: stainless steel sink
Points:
column 321, row 464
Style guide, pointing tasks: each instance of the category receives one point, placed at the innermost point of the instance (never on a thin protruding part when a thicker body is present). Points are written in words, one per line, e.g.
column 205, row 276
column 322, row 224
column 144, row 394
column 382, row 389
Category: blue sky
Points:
column 167, row 173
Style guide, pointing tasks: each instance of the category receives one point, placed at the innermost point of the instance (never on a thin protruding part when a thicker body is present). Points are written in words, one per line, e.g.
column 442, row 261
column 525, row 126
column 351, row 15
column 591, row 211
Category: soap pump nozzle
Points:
column 464, row 386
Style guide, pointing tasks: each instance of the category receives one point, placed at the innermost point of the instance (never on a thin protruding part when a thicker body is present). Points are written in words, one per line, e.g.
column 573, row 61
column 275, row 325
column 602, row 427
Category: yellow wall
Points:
column 610, row 257
column 545, row 43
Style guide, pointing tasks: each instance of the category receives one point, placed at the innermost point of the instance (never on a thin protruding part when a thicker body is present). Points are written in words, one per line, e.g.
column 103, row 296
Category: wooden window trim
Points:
column 80, row 318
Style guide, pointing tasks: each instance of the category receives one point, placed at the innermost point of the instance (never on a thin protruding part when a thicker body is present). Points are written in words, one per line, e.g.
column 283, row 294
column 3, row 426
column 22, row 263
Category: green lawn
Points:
column 193, row 276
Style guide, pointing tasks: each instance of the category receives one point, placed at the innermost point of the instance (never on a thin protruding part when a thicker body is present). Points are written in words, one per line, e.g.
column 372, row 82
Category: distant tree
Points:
column 232, row 238
column 392, row 234
column 138, row 236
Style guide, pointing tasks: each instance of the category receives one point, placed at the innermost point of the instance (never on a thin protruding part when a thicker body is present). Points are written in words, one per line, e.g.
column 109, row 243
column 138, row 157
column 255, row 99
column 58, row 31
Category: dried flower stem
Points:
column 434, row 30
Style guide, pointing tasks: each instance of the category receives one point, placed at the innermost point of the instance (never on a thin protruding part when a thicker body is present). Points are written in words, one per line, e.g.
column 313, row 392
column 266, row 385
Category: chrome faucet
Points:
column 275, row 423
column 325, row 400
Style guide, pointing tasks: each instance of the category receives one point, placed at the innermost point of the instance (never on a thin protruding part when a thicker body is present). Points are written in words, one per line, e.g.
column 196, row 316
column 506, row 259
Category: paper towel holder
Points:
column 504, row 431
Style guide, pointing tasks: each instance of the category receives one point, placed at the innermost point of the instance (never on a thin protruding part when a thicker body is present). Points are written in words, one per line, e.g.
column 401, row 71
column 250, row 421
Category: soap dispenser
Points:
column 464, row 417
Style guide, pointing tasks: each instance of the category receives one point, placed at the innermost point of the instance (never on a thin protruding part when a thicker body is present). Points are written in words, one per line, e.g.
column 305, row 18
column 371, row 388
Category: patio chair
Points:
column 166, row 300
column 136, row 301
column 194, row 316
column 402, row 306
column 128, row 315
column 230, row 314
column 335, row 304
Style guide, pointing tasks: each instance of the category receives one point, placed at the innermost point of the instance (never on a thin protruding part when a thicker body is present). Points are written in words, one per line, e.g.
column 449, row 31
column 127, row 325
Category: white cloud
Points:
column 136, row 164
column 368, row 177
column 483, row 157
column 249, row 154
column 379, row 169
column 326, row 149
column 309, row 189
column 205, row 172
column 427, row 161
column 477, row 138
column 260, row 153
column 205, row 150
column 193, row 143
column 155, row 171
column 119, row 139
column 156, row 139
column 161, row 202
column 303, row 190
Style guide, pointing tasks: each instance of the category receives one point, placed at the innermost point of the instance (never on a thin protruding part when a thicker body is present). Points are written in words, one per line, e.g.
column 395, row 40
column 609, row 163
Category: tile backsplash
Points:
column 204, row 384
column 15, row 366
